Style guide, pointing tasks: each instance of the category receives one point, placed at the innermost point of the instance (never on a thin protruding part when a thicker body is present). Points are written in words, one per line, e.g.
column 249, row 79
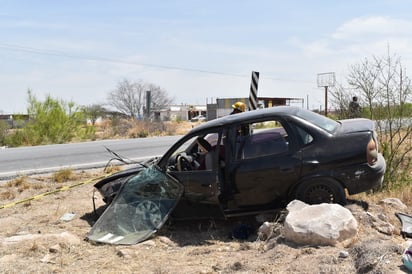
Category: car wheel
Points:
column 322, row 190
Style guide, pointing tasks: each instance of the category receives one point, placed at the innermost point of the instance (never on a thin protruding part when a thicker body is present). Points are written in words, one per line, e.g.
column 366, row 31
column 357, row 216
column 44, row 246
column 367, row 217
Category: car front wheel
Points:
column 321, row 190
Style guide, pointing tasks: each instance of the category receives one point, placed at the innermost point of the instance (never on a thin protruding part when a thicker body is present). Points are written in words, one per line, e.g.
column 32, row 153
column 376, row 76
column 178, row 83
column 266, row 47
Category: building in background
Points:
column 180, row 112
column 223, row 106
column 14, row 120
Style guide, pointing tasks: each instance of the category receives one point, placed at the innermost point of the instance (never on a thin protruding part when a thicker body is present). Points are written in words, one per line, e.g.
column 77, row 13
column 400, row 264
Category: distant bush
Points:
column 51, row 122
column 3, row 132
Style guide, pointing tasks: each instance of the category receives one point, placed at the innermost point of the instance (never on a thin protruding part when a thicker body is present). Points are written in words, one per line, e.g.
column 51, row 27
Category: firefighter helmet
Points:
column 239, row 106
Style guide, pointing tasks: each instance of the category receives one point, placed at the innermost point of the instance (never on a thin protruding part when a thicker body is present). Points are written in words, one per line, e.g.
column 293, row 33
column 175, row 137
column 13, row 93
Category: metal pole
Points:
column 148, row 103
column 326, row 100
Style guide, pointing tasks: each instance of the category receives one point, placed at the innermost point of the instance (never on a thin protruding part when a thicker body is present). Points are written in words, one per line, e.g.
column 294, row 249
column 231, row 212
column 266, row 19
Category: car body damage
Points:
column 218, row 171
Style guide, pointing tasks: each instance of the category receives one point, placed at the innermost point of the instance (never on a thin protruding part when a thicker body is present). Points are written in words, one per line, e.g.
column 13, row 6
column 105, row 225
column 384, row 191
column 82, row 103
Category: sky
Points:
column 195, row 50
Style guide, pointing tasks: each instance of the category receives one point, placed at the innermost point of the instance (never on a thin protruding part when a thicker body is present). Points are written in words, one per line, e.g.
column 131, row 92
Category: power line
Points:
column 49, row 52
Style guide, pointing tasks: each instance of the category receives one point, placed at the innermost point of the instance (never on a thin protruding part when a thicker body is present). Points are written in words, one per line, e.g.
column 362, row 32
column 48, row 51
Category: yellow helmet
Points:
column 239, row 106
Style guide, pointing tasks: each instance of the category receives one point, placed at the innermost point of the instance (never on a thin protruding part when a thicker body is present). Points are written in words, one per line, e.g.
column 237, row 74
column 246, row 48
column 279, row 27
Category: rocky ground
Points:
column 34, row 238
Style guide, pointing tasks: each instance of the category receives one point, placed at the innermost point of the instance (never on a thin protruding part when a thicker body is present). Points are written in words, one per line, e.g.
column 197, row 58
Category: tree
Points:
column 4, row 127
column 130, row 97
column 341, row 99
column 159, row 97
column 385, row 89
column 51, row 121
column 93, row 112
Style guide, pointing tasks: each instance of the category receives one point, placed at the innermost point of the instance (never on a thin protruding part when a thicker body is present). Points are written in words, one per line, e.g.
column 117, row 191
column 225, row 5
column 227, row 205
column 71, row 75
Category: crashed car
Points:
column 247, row 163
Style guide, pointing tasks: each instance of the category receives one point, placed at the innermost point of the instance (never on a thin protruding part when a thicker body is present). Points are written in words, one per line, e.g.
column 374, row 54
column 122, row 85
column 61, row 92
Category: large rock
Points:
column 324, row 224
column 394, row 202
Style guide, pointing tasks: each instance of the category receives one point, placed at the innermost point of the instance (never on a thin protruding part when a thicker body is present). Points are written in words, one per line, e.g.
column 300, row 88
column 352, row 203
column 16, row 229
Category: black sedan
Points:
column 242, row 164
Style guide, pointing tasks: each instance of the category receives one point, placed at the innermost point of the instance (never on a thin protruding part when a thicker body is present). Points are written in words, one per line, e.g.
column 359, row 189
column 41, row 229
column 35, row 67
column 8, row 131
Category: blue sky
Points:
column 196, row 50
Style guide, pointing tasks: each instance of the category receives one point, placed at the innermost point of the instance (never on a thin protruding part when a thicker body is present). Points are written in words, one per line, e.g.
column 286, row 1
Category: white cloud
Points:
column 360, row 38
column 364, row 28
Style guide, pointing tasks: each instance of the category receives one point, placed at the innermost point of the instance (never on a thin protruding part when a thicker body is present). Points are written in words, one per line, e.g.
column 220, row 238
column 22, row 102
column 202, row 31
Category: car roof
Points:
column 239, row 117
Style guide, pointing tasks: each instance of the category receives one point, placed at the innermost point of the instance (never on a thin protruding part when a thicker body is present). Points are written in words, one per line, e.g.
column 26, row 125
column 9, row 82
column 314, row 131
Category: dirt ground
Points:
column 34, row 239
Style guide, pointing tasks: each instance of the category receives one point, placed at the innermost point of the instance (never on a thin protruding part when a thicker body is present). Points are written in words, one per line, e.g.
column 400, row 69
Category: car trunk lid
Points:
column 357, row 125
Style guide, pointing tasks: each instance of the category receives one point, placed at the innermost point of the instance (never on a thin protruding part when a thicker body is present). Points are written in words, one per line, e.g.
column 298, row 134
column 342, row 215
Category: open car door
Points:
column 140, row 209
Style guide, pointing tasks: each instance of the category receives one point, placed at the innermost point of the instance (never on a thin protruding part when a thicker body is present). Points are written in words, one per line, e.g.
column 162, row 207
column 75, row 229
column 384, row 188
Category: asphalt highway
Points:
column 86, row 155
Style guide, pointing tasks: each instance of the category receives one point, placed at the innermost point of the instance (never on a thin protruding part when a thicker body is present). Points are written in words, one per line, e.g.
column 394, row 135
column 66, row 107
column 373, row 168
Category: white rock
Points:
column 324, row 224
column 394, row 202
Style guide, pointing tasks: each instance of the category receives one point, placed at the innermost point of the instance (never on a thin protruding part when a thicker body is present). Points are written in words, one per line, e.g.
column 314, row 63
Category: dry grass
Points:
column 7, row 195
column 112, row 169
column 20, row 183
column 404, row 194
column 63, row 175
column 180, row 248
column 11, row 188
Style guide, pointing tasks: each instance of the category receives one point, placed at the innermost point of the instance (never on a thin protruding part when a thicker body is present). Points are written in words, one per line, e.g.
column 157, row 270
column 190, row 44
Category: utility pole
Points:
column 148, row 103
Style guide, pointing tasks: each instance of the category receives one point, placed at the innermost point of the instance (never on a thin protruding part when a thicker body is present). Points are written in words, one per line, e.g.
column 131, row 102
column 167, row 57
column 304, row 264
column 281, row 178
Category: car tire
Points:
column 321, row 190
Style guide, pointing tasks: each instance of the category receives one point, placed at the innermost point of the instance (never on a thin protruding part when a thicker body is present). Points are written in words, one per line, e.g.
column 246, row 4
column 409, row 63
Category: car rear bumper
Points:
column 364, row 177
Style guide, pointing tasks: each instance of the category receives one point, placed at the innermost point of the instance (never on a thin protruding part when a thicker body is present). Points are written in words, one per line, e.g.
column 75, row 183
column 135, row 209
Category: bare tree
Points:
column 340, row 99
column 127, row 98
column 159, row 97
column 130, row 97
column 363, row 78
column 384, row 87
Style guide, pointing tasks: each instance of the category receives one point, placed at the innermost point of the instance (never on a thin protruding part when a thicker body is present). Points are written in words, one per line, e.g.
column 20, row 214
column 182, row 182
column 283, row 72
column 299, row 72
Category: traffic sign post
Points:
column 326, row 80
column 253, row 91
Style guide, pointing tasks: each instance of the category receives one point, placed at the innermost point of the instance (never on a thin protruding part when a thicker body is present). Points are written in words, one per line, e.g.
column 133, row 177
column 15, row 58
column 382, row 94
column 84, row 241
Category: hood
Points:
column 141, row 207
column 357, row 125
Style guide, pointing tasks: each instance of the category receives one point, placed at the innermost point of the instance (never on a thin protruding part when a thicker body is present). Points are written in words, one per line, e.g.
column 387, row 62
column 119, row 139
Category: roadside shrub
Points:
column 87, row 133
column 20, row 183
column 3, row 132
column 120, row 127
column 63, row 175
column 51, row 121
column 15, row 139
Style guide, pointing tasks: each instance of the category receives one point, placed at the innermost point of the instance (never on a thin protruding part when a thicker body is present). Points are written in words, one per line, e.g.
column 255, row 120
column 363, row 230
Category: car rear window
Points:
column 318, row 120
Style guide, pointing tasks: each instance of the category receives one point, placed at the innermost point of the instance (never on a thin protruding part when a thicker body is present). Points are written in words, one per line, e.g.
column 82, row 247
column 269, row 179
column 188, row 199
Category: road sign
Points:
column 253, row 91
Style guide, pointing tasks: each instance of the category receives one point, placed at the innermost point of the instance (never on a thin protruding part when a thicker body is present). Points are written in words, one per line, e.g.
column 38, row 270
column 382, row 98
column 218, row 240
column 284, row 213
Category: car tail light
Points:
column 372, row 152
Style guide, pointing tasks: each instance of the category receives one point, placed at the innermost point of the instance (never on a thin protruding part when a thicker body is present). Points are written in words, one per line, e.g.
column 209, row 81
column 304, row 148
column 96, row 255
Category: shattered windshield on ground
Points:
column 139, row 210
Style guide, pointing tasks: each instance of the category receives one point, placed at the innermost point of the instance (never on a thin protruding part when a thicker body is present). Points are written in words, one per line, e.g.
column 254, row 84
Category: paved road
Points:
column 49, row 158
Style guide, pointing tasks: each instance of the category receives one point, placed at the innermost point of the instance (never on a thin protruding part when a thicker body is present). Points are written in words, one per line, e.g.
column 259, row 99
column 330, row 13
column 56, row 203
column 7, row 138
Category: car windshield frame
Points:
column 139, row 210
column 318, row 120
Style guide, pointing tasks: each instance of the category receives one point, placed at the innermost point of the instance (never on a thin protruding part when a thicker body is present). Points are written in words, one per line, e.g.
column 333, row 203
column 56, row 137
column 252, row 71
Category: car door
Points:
column 201, row 174
column 264, row 166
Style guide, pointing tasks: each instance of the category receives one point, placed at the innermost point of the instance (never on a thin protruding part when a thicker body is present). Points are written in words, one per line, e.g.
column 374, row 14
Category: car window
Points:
column 197, row 153
column 305, row 137
column 318, row 120
column 264, row 138
column 139, row 210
